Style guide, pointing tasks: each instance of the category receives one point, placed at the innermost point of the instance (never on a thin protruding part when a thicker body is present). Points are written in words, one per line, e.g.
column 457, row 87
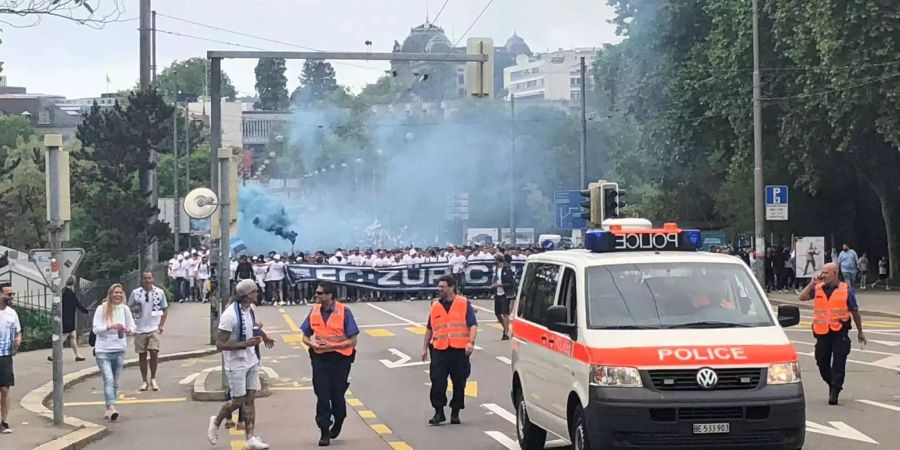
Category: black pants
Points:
column 329, row 376
column 452, row 362
column 832, row 350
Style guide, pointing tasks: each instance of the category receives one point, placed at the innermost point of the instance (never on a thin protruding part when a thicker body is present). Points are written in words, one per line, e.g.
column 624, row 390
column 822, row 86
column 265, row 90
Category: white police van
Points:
column 640, row 341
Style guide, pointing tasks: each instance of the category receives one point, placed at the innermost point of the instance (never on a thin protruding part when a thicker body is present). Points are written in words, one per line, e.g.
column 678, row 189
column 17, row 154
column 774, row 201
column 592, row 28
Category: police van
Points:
column 641, row 341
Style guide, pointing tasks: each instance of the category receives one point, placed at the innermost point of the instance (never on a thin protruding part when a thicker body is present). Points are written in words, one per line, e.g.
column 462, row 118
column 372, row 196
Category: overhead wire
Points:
column 488, row 4
column 438, row 16
column 261, row 38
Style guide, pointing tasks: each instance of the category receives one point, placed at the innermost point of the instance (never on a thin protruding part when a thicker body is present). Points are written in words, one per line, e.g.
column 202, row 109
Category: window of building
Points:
column 44, row 117
column 460, row 79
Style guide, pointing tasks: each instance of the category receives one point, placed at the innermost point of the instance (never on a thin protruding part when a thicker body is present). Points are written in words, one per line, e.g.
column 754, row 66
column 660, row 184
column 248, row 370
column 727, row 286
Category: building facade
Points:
column 553, row 77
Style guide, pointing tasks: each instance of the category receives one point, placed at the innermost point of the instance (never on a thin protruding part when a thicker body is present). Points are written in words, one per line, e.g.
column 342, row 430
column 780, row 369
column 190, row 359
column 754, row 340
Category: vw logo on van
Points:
column 707, row 378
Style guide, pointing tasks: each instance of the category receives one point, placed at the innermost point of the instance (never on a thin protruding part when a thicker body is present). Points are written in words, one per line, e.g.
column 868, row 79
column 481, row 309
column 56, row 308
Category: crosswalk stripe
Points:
column 880, row 405
column 503, row 440
column 379, row 332
column 504, row 360
column 498, row 410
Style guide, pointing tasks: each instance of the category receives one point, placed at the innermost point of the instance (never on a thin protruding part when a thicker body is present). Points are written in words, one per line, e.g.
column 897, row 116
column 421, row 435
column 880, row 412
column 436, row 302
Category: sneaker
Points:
column 4, row 428
column 212, row 432
column 255, row 443
column 153, row 385
column 144, row 386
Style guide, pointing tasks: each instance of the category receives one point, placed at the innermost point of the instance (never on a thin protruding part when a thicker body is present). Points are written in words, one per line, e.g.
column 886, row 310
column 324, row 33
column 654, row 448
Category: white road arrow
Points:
column 839, row 429
column 888, row 343
column 403, row 360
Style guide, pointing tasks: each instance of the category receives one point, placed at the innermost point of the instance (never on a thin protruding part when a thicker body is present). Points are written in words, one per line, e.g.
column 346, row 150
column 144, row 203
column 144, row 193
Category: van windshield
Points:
column 673, row 295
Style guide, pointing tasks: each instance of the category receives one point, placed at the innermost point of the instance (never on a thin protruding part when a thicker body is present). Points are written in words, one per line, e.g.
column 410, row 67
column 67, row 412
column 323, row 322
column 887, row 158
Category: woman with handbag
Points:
column 112, row 322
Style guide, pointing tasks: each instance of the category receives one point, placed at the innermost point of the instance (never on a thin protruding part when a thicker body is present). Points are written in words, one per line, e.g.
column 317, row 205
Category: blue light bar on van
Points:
column 668, row 238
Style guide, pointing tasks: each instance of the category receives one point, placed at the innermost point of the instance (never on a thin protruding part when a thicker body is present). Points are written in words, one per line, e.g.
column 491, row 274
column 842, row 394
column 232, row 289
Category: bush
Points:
column 37, row 329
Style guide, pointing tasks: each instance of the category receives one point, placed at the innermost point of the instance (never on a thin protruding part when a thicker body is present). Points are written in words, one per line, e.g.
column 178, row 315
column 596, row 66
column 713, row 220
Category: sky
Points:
column 63, row 58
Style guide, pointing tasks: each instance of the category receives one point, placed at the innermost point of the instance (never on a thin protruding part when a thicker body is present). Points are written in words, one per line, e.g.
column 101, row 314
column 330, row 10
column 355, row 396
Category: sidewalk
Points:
column 187, row 330
column 875, row 302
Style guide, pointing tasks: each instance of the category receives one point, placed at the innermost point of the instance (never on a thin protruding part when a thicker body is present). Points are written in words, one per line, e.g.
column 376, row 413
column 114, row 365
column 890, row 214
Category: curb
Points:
column 199, row 393
column 86, row 432
column 808, row 305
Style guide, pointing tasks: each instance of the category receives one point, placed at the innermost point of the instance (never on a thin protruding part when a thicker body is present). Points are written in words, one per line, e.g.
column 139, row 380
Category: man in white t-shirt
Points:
column 10, row 340
column 237, row 337
column 150, row 310
column 355, row 259
column 274, row 280
column 458, row 263
column 193, row 276
column 203, row 275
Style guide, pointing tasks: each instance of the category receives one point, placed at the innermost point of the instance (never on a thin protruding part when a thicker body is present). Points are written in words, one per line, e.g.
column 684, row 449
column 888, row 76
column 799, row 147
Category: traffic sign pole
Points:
column 56, row 202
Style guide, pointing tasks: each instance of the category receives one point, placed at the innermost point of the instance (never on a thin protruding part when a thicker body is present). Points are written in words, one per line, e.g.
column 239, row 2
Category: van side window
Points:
column 538, row 292
column 567, row 293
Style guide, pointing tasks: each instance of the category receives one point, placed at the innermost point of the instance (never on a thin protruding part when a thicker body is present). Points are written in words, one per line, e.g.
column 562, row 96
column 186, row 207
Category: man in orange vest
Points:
column 834, row 304
column 330, row 332
column 450, row 338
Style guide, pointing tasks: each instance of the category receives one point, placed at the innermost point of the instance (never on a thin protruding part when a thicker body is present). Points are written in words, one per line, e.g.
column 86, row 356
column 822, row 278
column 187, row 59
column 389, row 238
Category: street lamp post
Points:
column 759, row 221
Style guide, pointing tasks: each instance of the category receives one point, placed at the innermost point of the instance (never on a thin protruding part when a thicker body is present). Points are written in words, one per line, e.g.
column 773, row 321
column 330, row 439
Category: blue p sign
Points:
column 776, row 195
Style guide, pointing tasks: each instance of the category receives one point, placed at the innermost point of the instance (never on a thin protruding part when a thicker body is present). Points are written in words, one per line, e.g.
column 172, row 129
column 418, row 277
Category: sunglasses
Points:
column 320, row 292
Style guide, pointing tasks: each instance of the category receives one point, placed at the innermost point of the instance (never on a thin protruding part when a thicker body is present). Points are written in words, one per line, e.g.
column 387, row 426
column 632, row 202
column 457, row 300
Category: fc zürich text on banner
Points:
column 406, row 278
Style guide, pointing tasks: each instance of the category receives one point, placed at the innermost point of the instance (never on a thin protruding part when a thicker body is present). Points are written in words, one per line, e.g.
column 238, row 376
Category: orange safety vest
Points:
column 333, row 330
column 830, row 313
column 449, row 328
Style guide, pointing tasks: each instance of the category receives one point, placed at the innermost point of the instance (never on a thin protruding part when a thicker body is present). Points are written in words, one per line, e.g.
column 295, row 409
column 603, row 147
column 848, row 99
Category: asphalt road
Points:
column 389, row 388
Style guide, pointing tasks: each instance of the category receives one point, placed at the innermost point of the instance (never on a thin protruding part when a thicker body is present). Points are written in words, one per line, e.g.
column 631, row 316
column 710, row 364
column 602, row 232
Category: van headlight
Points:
column 784, row 373
column 613, row 376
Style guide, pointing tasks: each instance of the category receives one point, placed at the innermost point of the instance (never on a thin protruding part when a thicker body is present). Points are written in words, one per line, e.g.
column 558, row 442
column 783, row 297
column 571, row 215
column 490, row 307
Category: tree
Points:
column 12, row 128
column 23, row 217
column 271, row 85
column 112, row 212
column 317, row 81
column 92, row 13
column 191, row 76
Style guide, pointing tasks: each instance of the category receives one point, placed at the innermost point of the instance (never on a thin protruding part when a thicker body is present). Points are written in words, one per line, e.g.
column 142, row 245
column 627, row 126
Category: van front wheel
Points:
column 579, row 432
column 531, row 436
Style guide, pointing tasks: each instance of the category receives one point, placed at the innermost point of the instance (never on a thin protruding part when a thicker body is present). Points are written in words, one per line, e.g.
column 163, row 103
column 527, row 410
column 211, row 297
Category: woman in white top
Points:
column 112, row 321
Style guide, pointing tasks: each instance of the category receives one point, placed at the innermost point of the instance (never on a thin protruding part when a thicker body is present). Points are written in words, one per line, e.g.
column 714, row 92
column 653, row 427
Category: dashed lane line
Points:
column 496, row 409
column 130, row 402
column 880, row 405
column 404, row 319
column 503, row 440
column 504, row 360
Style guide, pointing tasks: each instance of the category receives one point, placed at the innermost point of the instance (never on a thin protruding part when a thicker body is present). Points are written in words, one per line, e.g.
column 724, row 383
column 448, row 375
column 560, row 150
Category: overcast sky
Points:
column 60, row 57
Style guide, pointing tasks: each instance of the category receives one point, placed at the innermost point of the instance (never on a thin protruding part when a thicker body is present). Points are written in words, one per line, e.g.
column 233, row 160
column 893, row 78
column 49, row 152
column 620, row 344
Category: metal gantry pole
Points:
column 758, row 197
column 54, row 215
column 512, row 172
column 177, row 205
column 224, row 157
column 583, row 155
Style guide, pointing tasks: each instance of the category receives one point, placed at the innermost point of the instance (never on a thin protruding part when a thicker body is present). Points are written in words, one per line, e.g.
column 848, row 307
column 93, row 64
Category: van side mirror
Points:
column 558, row 321
column 788, row 315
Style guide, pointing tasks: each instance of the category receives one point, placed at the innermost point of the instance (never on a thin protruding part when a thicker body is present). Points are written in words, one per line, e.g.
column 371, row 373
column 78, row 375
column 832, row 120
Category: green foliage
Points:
column 831, row 87
column 317, row 81
column 23, row 217
column 37, row 329
column 191, row 76
column 111, row 210
column 271, row 85
column 11, row 129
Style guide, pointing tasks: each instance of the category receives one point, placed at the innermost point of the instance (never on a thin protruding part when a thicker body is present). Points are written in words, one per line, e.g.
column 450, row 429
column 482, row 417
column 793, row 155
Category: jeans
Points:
column 850, row 278
column 110, row 365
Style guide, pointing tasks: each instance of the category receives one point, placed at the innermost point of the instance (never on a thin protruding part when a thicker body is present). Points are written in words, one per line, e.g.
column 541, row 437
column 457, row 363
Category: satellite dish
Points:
column 200, row 203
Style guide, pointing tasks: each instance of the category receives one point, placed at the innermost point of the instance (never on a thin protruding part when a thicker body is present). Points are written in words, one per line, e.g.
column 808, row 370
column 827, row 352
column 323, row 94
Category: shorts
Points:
column 242, row 380
column 146, row 341
column 7, row 378
column 882, row 276
column 501, row 305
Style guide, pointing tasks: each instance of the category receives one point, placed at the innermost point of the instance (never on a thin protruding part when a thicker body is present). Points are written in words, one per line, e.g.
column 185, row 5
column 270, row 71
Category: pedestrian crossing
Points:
column 508, row 441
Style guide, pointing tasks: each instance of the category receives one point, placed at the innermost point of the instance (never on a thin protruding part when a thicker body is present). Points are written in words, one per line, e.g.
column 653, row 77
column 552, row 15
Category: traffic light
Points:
column 611, row 201
column 593, row 205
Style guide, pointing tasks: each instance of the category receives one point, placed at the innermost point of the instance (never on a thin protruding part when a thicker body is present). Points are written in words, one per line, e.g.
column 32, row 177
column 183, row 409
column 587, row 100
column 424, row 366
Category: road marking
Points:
column 504, row 360
column 290, row 323
column 388, row 325
column 399, row 445
column 291, row 388
column 366, row 414
column 402, row 361
column 881, row 405
column 839, row 429
column 130, row 402
column 887, row 343
column 874, row 352
column 354, row 402
column 498, row 410
column 891, row 362
column 381, row 428
column 503, row 440
column 281, row 310
column 238, row 445
column 496, row 325
column 379, row 332
column 416, row 330
column 189, row 379
column 404, row 319
column 878, row 363
column 270, row 372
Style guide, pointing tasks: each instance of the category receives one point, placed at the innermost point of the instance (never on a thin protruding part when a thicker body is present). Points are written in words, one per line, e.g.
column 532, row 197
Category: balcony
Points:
column 258, row 126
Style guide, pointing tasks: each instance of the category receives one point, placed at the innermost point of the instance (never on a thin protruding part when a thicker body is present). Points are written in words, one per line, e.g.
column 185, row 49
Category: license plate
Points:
column 711, row 428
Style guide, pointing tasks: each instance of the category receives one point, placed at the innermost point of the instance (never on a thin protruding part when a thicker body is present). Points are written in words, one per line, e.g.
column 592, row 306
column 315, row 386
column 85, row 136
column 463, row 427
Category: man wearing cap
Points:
column 237, row 337
column 503, row 287
column 330, row 333
column 274, row 279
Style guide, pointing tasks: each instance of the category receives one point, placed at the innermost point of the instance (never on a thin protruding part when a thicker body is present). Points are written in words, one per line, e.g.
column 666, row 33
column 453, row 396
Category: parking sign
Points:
column 777, row 202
